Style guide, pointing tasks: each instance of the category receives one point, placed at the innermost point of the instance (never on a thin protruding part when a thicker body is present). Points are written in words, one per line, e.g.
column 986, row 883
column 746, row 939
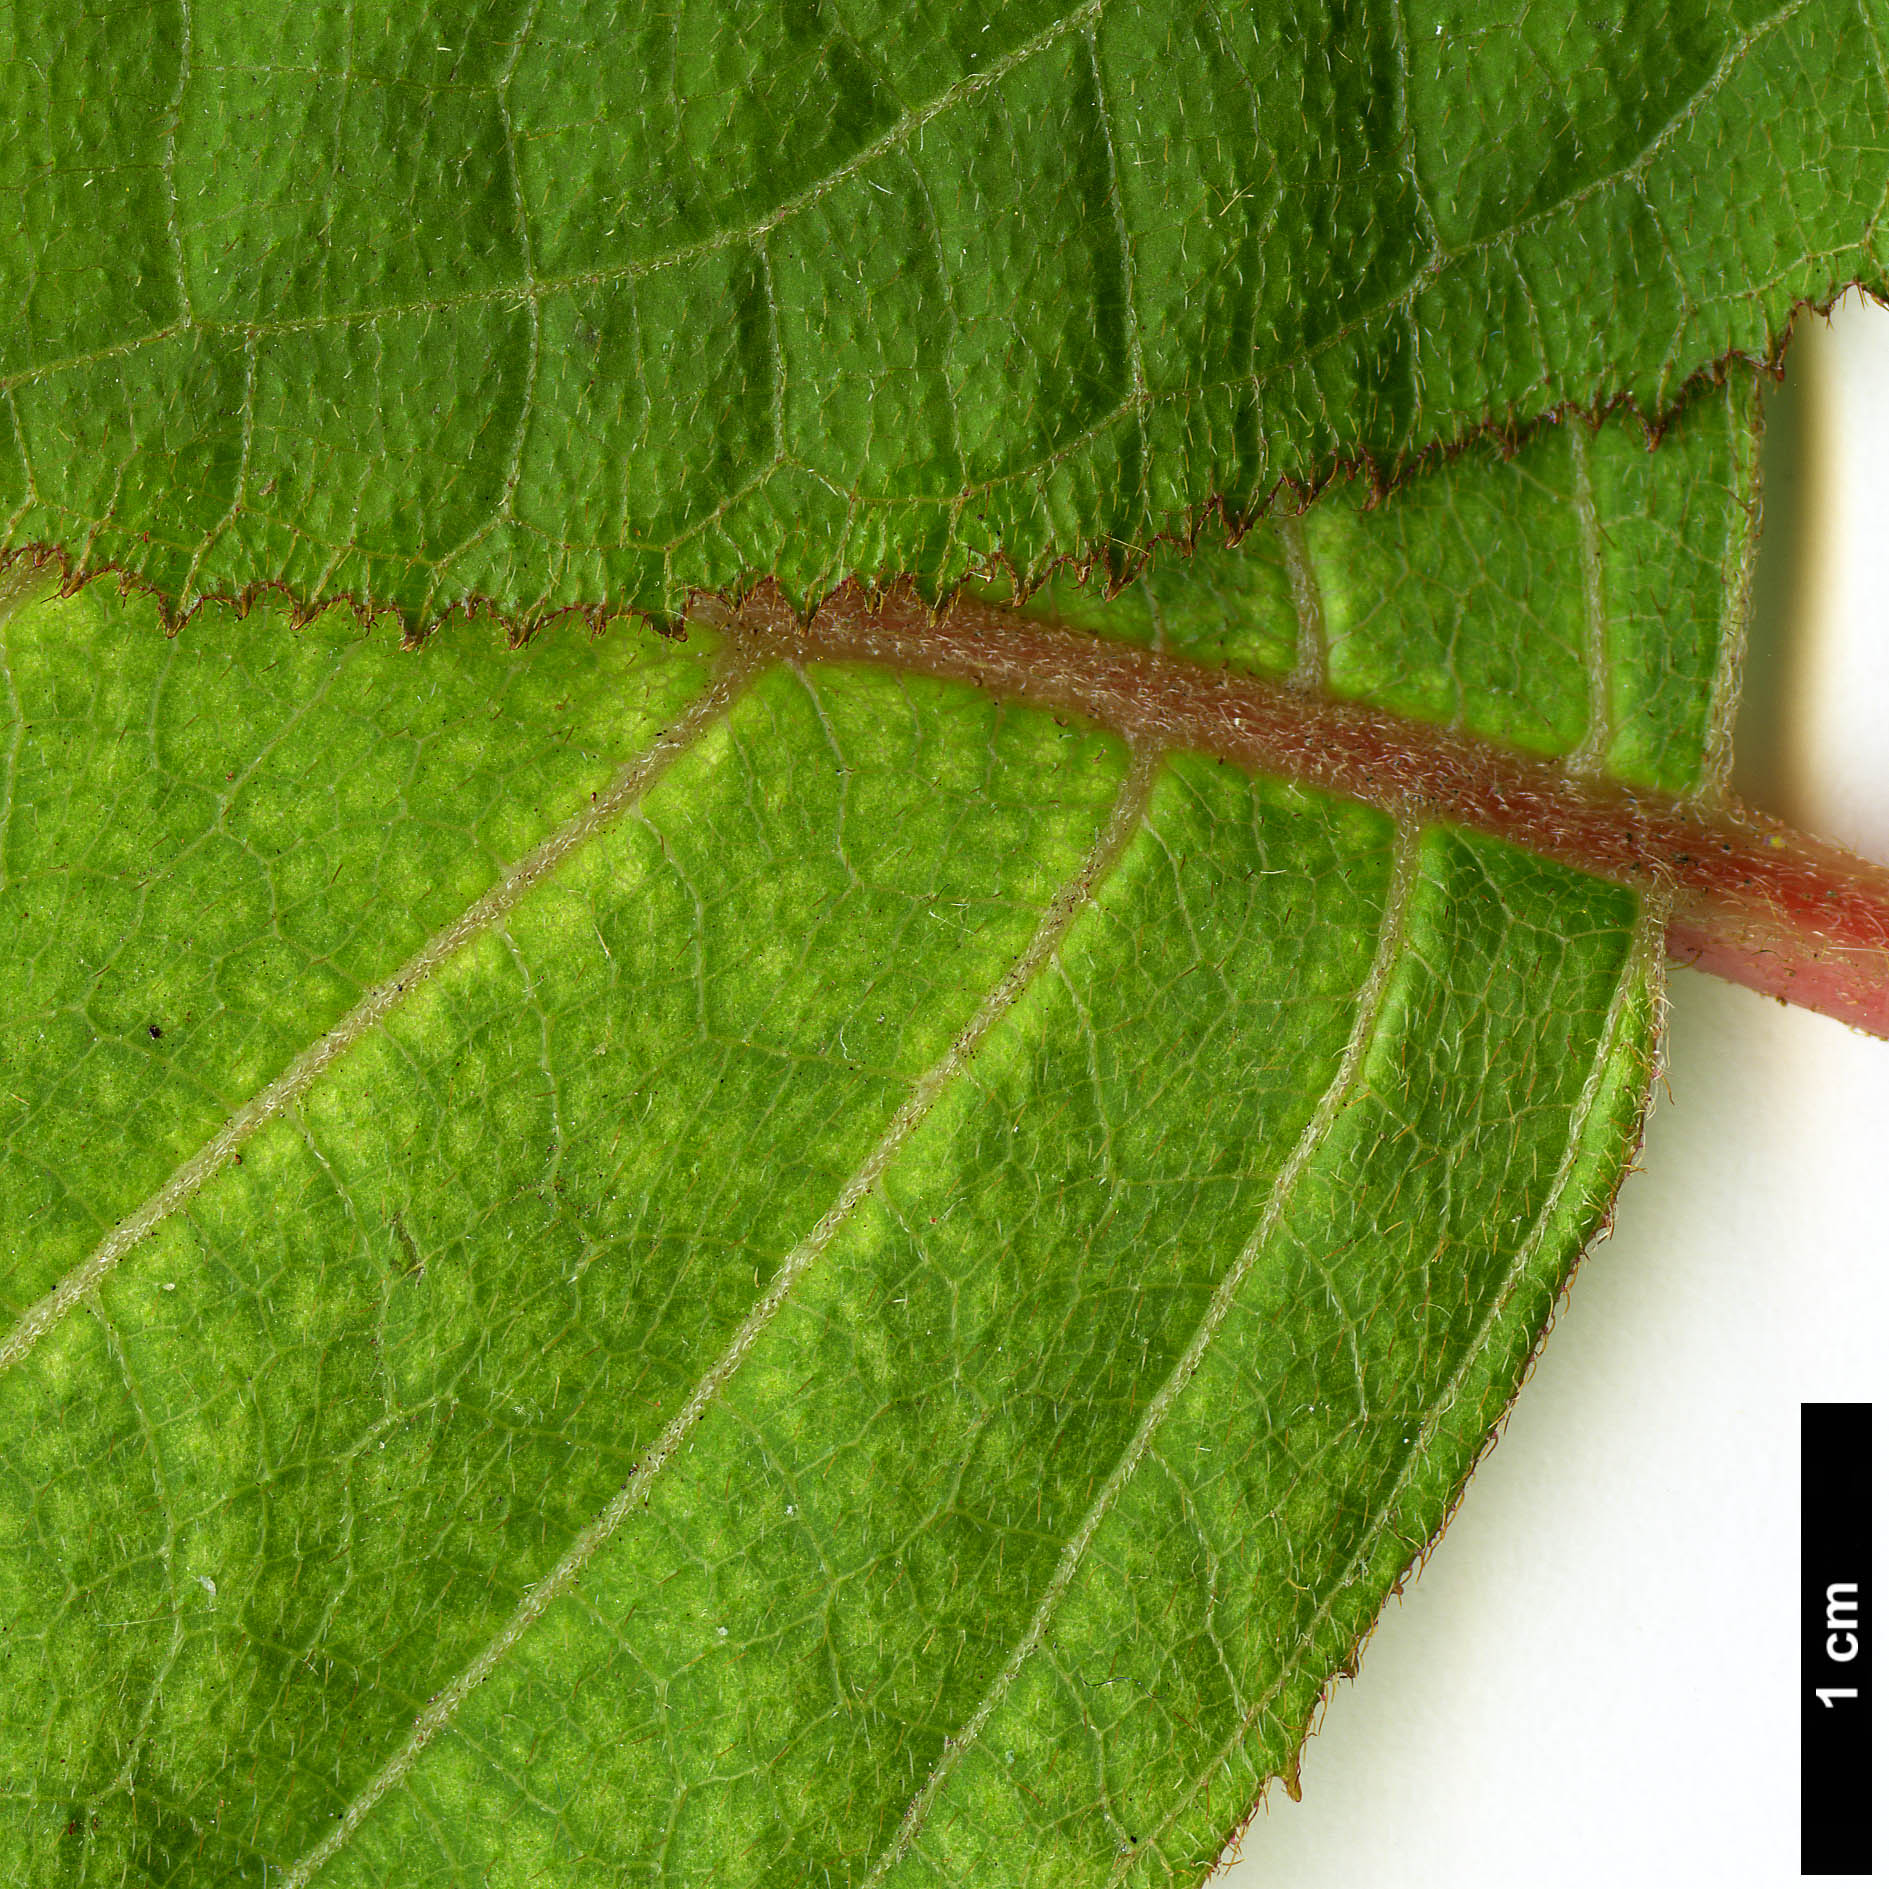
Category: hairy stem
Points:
column 1749, row 899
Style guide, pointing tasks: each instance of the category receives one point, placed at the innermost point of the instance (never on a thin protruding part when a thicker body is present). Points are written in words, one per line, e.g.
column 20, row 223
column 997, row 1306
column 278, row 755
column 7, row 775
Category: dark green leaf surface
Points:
column 822, row 1281
column 564, row 303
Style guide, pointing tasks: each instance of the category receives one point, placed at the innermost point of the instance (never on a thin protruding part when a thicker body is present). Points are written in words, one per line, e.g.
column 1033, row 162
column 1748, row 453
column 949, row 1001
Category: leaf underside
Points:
column 552, row 304
column 893, row 1313
column 622, row 1269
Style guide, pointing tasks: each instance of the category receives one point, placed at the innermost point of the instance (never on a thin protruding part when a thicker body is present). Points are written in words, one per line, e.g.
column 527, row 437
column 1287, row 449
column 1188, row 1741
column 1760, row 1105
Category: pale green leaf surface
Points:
column 559, row 303
column 892, row 1316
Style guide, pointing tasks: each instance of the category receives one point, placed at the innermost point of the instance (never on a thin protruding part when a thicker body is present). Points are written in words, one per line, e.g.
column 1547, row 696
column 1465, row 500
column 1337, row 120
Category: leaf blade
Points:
column 568, row 338
column 423, row 1337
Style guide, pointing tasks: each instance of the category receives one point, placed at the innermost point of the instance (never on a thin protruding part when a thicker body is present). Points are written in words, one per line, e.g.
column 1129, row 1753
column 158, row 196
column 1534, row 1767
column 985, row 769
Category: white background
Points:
column 1594, row 1680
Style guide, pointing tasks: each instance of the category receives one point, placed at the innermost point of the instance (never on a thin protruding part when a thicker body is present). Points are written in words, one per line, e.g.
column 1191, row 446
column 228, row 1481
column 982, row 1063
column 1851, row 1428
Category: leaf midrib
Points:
column 487, row 913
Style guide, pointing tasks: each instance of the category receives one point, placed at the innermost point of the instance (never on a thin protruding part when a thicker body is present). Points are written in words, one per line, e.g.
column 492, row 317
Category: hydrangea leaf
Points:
column 561, row 304
column 622, row 1268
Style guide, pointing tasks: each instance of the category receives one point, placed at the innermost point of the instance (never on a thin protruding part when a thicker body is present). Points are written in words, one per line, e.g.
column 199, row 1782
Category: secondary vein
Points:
column 1124, row 821
column 1591, row 756
column 630, row 785
column 1751, row 900
column 1640, row 972
column 1391, row 929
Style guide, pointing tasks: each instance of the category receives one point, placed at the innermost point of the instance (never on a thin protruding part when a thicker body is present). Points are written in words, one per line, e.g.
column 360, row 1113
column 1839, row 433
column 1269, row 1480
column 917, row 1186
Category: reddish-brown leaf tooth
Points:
column 1751, row 901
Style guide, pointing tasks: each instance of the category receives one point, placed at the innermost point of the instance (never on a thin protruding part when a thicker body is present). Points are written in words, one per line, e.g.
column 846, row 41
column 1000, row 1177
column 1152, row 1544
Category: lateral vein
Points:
column 630, row 785
column 1111, row 843
column 1590, row 757
column 1370, row 1000
column 1752, row 901
column 1311, row 664
column 1641, row 968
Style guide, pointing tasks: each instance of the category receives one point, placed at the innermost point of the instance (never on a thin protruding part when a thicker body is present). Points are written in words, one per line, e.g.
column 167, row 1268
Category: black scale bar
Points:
column 1838, row 1627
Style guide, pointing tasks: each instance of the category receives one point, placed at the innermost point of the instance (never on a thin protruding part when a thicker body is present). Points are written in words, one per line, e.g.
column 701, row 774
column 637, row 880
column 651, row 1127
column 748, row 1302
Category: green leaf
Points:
column 624, row 1266
column 555, row 304
column 627, row 1270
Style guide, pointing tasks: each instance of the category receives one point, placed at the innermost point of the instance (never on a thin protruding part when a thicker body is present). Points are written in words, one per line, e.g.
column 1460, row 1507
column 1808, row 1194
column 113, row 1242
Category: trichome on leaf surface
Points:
column 852, row 1244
